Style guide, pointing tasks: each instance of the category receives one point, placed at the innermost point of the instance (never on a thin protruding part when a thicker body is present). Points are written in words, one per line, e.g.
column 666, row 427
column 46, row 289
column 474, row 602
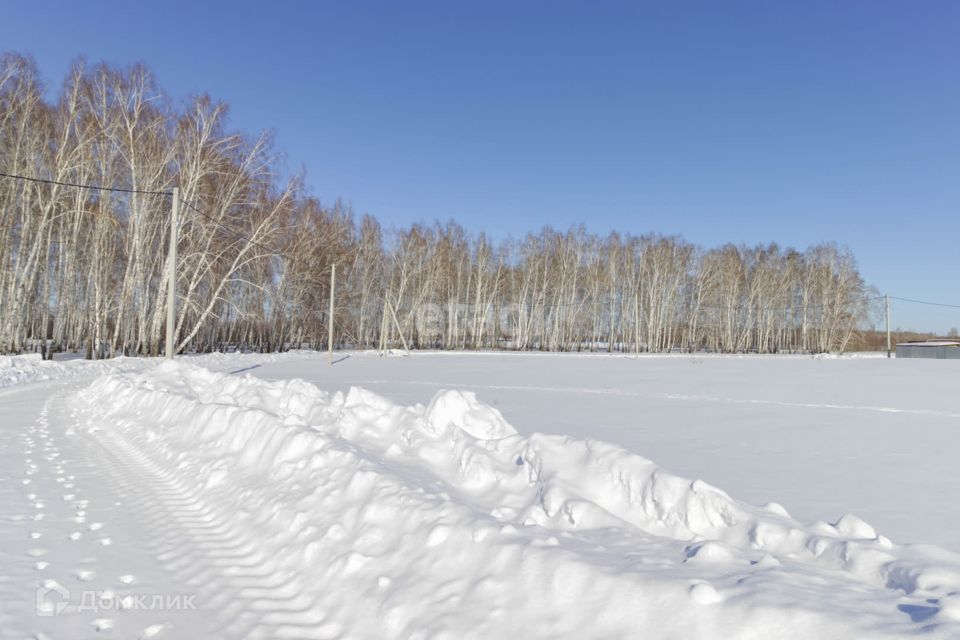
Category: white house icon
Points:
column 52, row 599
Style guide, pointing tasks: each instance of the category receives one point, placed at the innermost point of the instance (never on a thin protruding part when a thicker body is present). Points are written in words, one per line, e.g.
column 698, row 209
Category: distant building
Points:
column 938, row 349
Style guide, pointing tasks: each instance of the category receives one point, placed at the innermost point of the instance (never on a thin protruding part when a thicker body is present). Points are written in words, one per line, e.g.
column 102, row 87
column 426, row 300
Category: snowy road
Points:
column 78, row 527
column 94, row 539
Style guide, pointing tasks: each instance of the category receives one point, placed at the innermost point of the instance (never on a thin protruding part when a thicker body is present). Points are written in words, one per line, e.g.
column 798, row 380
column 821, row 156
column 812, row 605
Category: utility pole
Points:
column 172, row 273
column 396, row 323
column 333, row 286
column 636, row 322
column 383, row 327
column 887, row 298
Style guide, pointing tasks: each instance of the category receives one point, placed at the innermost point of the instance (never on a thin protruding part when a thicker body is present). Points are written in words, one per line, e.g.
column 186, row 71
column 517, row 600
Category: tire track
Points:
column 211, row 548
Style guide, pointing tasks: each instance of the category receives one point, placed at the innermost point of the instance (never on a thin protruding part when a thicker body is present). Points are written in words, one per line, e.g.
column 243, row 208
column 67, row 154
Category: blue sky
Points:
column 793, row 122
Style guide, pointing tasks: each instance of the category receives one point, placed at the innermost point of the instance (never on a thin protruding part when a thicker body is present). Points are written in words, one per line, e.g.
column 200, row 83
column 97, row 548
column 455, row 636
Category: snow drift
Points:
column 24, row 369
column 30, row 368
column 346, row 515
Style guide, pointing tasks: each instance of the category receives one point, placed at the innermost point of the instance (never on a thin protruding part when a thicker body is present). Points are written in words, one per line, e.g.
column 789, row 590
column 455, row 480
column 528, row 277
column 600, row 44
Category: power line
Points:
column 92, row 187
column 932, row 304
column 95, row 187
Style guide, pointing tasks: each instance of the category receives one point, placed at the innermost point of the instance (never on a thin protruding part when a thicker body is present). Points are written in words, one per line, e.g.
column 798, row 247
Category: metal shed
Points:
column 937, row 349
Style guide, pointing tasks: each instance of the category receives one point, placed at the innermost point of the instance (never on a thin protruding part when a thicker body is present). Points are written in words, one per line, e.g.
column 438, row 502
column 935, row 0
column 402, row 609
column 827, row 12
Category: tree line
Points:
column 83, row 269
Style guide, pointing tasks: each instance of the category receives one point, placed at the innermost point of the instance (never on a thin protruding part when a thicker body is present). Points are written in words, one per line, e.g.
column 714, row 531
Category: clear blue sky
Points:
column 793, row 122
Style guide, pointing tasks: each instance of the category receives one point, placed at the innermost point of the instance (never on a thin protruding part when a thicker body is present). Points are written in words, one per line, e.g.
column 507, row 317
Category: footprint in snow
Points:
column 102, row 624
column 50, row 583
column 85, row 575
column 153, row 630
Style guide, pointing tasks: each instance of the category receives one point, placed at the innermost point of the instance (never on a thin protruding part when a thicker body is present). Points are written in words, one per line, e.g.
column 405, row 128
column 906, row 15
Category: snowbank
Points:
column 30, row 368
column 362, row 518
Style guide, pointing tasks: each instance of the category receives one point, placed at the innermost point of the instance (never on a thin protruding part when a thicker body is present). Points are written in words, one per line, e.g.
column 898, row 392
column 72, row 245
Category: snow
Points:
column 824, row 436
column 283, row 509
column 31, row 368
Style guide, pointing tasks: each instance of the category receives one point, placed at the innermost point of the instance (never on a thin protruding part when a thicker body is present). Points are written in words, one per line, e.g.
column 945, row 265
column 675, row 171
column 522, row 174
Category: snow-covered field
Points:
column 476, row 495
column 823, row 436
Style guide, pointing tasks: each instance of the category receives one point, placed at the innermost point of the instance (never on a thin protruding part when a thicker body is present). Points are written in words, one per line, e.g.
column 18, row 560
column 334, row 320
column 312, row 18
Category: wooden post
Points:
column 888, row 325
column 333, row 287
column 172, row 273
column 396, row 323
column 383, row 327
column 636, row 323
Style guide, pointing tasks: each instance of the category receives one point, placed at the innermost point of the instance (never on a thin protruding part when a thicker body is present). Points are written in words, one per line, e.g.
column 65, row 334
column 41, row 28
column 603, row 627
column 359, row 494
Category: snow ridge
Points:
column 24, row 369
column 352, row 516
column 30, row 368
